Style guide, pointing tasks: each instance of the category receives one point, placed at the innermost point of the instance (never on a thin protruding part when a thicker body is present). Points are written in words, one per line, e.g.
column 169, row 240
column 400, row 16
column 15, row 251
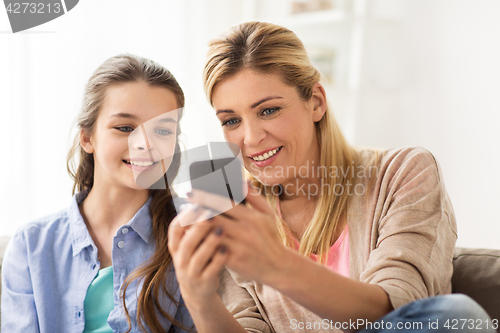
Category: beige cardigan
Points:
column 402, row 234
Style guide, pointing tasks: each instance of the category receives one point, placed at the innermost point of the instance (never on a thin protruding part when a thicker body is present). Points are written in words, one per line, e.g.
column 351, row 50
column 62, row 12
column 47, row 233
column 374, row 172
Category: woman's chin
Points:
column 269, row 181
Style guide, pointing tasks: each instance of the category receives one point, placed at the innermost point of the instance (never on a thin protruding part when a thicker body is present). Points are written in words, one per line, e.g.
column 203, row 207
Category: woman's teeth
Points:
column 139, row 163
column 267, row 155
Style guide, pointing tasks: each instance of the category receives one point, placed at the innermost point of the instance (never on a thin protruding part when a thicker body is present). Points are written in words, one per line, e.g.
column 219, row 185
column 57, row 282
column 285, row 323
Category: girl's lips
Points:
column 140, row 168
column 270, row 160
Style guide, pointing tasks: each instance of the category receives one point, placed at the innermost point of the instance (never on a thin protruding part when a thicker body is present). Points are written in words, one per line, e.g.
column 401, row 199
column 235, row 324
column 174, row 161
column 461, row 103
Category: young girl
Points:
column 347, row 238
column 102, row 265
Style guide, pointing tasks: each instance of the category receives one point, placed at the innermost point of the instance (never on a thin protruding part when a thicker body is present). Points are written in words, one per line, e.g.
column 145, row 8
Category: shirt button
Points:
column 121, row 244
column 125, row 231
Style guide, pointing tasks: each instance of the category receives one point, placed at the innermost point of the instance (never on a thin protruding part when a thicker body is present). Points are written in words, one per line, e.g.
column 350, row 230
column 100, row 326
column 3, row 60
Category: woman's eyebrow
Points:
column 224, row 111
column 254, row 105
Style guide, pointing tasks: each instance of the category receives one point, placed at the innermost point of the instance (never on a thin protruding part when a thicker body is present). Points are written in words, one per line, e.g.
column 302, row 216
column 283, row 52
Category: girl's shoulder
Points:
column 48, row 228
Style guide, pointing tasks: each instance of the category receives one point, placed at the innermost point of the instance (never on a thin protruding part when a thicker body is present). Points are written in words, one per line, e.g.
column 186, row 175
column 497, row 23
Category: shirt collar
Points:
column 80, row 236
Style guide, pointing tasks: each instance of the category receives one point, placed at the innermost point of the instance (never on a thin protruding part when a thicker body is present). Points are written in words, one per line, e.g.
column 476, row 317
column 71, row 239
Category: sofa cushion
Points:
column 476, row 273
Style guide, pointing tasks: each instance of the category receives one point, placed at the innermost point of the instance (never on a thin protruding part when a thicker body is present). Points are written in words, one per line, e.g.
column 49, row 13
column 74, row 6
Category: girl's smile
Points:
column 135, row 131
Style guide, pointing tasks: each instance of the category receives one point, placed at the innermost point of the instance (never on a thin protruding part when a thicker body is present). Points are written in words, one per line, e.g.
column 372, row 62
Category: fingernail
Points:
column 218, row 231
column 190, row 194
column 222, row 249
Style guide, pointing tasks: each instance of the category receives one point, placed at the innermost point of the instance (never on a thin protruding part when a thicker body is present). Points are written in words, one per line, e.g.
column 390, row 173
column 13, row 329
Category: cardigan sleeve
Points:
column 414, row 230
column 241, row 304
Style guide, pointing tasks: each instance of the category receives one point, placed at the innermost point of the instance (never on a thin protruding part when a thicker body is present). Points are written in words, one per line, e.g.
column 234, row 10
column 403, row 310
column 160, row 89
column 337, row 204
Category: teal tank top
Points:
column 99, row 302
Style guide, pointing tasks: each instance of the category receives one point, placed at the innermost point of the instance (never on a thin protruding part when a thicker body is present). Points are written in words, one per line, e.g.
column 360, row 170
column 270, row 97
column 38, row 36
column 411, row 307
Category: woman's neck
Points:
column 107, row 209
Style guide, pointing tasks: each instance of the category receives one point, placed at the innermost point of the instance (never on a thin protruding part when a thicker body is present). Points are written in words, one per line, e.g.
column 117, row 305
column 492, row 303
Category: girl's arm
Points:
column 198, row 259
column 18, row 303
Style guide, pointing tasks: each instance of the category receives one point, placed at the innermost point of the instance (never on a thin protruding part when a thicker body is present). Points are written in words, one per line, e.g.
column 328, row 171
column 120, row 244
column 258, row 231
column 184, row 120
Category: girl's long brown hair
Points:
column 156, row 273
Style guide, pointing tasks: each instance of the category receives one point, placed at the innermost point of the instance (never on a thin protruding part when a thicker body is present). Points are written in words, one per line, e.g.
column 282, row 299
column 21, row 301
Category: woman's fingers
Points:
column 258, row 201
column 205, row 252
column 215, row 265
column 175, row 232
column 192, row 238
column 180, row 224
column 213, row 201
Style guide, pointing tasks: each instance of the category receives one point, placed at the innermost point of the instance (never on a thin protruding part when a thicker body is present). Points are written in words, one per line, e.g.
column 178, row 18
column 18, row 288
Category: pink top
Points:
column 338, row 256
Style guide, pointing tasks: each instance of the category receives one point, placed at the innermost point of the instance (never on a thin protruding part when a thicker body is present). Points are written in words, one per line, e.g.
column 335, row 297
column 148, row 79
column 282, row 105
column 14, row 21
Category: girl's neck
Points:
column 109, row 208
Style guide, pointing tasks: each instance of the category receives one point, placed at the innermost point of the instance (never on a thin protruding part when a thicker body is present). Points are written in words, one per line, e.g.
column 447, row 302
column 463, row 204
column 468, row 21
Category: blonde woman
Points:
column 102, row 264
column 348, row 239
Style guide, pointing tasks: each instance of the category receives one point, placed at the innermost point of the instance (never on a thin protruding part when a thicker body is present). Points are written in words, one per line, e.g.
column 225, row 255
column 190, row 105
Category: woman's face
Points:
column 272, row 125
column 135, row 135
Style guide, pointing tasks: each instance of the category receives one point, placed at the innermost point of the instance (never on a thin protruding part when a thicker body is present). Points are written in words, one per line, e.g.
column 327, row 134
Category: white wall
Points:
column 430, row 77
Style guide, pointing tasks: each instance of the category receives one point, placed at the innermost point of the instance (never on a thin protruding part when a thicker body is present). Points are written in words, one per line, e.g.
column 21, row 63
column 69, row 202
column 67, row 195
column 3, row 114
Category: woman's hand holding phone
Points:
column 197, row 253
column 254, row 248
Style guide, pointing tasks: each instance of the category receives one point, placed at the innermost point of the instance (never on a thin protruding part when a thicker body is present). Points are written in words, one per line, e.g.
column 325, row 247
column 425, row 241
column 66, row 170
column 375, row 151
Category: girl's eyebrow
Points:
column 167, row 120
column 254, row 105
column 124, row 115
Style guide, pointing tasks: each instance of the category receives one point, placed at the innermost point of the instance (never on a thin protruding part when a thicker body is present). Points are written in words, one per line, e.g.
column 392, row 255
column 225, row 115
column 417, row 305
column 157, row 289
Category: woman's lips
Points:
column 267, row 162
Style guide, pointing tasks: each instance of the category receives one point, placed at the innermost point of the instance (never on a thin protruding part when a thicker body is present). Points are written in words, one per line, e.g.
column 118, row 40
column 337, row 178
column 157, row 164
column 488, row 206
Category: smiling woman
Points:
column 103, row 265
column 330, row 251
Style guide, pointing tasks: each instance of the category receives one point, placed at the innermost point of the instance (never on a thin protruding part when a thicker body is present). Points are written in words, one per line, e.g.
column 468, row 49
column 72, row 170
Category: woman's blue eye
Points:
column 230, row 122
column 270, row 111
column 125, row 129
column 163, row 132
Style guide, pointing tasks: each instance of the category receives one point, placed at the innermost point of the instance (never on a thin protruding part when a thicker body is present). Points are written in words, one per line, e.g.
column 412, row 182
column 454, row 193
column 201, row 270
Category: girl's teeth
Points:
column 138, row 163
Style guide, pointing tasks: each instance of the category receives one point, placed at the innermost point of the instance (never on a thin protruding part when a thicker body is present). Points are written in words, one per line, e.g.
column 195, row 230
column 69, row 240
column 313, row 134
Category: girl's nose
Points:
column 138, row 140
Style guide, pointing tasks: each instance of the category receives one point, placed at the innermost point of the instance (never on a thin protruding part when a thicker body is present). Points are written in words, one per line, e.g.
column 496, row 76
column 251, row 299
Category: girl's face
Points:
column 272, row 125
column 127, row 107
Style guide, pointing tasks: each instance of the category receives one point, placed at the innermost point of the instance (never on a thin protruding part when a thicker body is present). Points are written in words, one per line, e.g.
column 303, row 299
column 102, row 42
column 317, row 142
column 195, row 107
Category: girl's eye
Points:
column 163, row 132
column 230, row 122
column 125, row 129
column 270, row 111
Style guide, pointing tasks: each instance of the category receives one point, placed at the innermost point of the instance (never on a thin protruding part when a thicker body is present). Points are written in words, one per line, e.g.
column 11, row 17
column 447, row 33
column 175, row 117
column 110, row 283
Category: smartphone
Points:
column 221, row 176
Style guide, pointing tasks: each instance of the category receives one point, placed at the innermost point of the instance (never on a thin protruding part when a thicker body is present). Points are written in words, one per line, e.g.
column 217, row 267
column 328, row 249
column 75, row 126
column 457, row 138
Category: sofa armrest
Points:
column 476, row 273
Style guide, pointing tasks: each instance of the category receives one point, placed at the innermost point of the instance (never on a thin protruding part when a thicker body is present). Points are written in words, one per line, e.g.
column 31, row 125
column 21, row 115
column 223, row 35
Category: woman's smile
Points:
column 265, row 157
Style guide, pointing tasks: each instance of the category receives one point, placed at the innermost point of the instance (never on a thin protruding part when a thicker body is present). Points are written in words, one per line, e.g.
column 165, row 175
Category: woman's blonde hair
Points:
column 269, row 48
column 154, row 273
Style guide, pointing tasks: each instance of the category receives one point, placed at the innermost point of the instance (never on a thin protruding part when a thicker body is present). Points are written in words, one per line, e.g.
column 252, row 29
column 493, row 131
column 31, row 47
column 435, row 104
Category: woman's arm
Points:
column 256, row 252
column 197, row 256
column 18, row 303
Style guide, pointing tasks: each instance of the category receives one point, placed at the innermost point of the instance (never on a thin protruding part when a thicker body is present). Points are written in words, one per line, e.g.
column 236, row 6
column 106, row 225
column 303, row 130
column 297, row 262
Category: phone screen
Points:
column 221, row 176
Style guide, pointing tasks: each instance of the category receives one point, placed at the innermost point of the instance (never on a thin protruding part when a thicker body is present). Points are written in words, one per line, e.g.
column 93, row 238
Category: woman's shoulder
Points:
column 405, row 160
column 408, row 155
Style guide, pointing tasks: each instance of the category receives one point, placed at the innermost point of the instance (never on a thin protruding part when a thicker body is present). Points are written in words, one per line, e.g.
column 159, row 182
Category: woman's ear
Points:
column 85, row 142
column 319, row 101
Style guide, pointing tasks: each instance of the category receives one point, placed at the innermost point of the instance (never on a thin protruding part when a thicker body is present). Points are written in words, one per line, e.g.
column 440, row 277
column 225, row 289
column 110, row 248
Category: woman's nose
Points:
column 253, row 134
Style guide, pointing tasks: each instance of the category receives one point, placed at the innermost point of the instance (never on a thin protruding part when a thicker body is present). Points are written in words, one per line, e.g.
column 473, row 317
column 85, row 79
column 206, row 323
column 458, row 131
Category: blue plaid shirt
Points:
column 50, row 263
